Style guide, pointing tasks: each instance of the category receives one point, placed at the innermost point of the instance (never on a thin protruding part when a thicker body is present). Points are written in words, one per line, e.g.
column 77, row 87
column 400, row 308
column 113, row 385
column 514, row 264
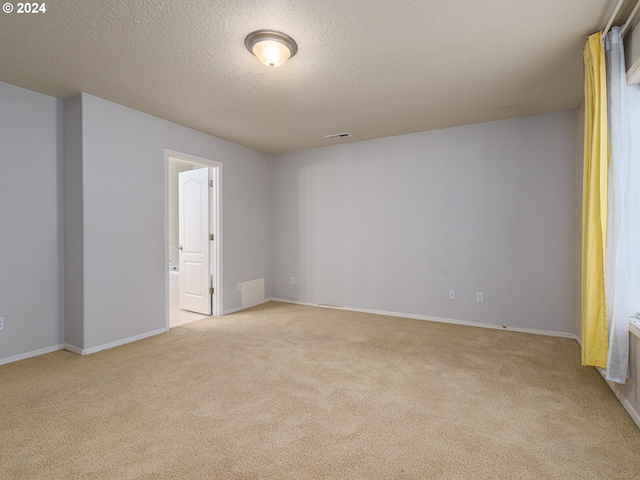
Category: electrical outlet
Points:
column 452, row 294
column 239, row 286
column 293, row 280
column 480, row 297
column 1, row 323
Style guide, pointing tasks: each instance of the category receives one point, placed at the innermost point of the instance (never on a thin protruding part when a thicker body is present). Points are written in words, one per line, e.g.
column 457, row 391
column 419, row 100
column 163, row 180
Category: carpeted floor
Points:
column 291, row 392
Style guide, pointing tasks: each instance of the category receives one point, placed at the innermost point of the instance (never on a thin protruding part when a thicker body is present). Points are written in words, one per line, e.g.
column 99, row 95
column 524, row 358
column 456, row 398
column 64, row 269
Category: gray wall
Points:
column 73, row 223
column 389, row 224
column 392, row 224
column 122, row 228
column 30, row 221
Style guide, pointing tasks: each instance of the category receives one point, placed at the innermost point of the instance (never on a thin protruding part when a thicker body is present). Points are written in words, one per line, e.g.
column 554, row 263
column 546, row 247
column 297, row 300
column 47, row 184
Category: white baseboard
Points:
column 548, row 333
column 635, row 416
column 117, row 343
column 73, row 349
column 237, row 309
column 231, row 310
column 33, row 353
column 627, row 406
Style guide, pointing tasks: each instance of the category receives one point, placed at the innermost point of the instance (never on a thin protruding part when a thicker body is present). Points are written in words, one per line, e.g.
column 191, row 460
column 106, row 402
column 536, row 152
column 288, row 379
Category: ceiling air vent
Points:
column 333, row 136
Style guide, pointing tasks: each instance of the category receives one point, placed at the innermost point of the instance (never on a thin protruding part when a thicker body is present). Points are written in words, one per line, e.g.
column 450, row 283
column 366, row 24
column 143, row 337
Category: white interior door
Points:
column 194, row 248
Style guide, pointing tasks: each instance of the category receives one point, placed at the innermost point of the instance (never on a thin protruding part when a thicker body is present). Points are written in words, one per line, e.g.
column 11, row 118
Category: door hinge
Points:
column 210, row 183
column 211, row 236
column 212, row 290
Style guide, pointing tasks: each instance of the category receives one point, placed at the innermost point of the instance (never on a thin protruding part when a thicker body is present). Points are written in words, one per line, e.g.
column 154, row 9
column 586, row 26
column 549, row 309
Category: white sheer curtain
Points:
column 617, row 262
column 633, row 196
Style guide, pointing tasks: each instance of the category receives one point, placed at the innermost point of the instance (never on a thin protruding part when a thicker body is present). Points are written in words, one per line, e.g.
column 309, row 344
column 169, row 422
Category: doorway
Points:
column 192, row 238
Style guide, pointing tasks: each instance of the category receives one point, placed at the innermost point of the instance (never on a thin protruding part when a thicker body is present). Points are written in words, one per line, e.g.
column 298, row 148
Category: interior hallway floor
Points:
column 179, row 317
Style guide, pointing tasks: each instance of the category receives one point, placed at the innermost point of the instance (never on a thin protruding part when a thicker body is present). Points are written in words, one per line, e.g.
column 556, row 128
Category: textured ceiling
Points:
column 374, row 68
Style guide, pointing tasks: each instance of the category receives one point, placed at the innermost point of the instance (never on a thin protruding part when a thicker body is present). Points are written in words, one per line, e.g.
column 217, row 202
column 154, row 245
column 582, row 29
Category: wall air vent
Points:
column 333, row 136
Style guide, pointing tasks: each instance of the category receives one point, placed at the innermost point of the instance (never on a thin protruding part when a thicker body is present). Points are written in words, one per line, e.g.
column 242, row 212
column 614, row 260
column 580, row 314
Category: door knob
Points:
column 179, row 247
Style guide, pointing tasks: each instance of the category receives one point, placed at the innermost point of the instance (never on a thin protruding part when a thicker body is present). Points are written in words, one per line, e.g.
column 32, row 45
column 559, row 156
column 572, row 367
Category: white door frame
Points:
column 215, row 223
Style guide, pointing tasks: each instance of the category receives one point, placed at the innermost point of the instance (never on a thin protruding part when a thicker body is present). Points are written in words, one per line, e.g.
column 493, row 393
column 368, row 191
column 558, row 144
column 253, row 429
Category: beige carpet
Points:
column 292, row 392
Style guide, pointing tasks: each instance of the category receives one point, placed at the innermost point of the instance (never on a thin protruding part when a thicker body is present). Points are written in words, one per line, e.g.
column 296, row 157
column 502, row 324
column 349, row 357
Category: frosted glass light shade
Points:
column 271, row 47
column 271, row 53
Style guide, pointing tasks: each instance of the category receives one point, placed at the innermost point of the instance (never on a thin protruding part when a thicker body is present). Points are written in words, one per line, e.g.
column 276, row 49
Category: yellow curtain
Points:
column 594, row 205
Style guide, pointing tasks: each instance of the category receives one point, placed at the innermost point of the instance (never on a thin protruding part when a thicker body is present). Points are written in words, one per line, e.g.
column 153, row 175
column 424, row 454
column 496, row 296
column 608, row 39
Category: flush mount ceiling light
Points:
column 272, row 48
